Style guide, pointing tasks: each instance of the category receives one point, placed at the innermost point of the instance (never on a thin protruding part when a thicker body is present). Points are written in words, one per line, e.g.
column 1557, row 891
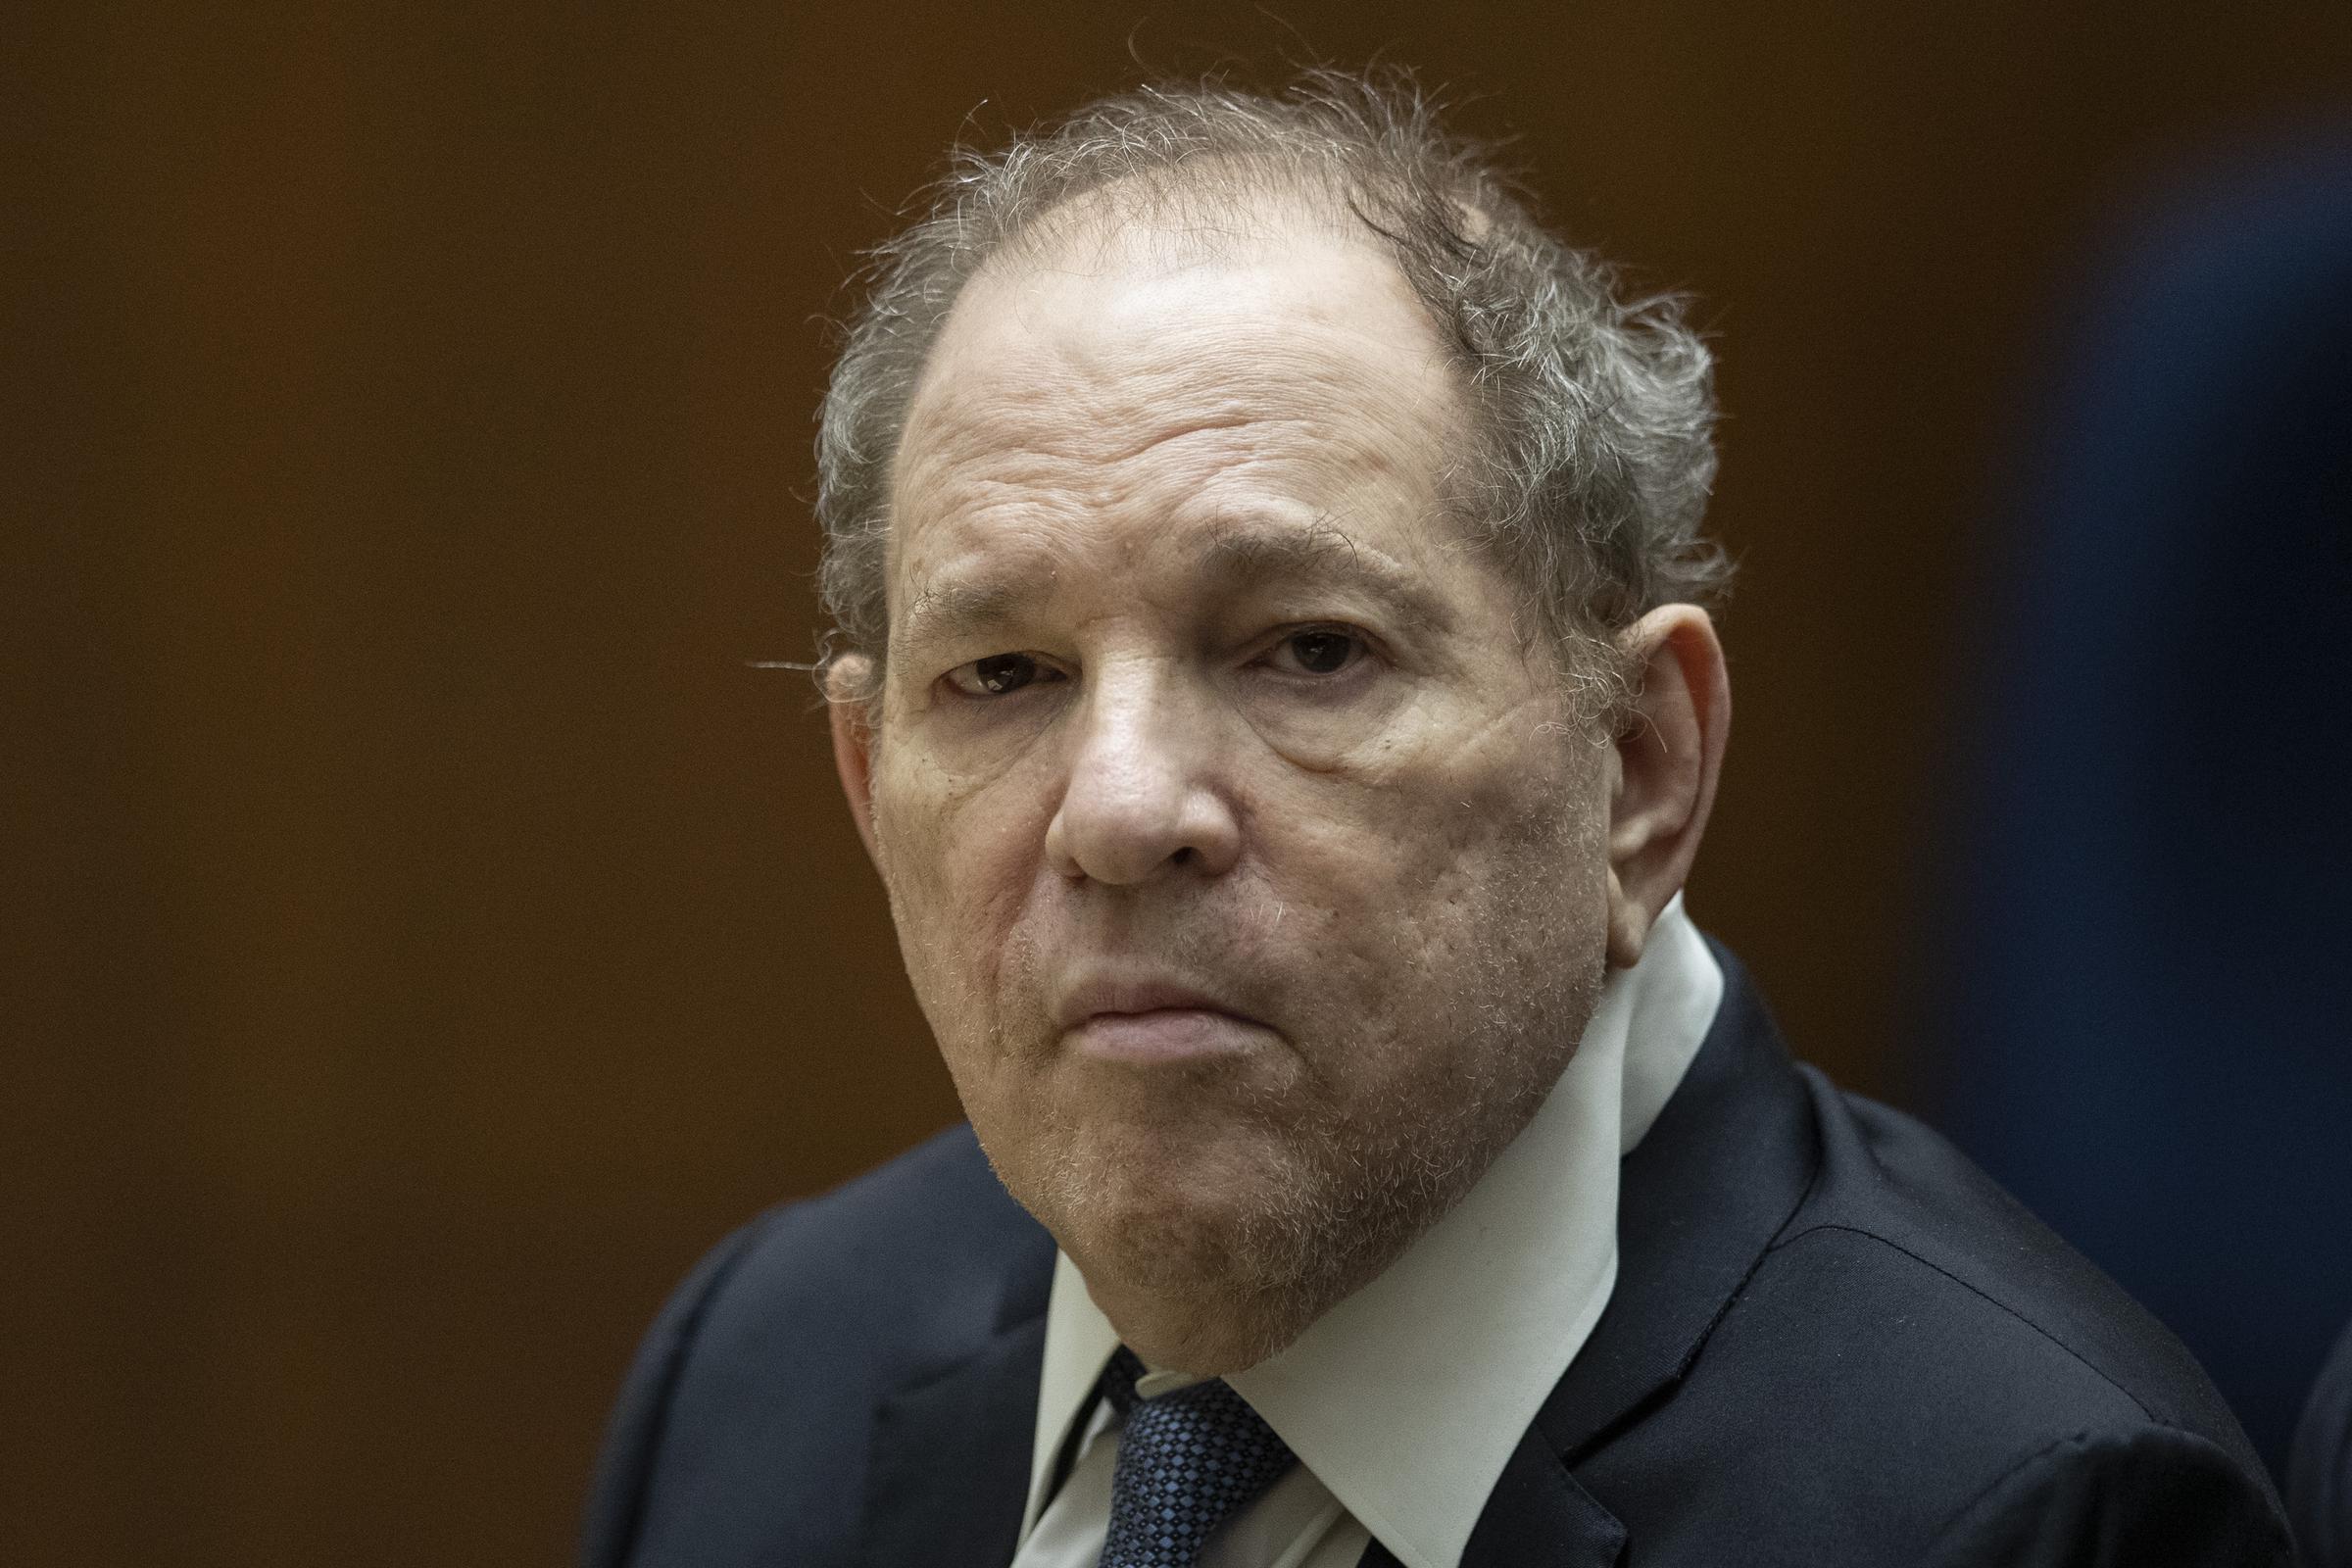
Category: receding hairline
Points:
column 1187, row 197
column 1108, row 236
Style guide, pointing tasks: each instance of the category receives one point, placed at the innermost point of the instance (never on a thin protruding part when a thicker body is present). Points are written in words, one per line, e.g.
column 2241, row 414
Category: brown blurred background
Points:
column 425, row 931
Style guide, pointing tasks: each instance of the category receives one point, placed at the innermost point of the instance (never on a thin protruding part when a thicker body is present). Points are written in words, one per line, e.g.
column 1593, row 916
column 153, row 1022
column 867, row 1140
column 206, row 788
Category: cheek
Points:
column 948, row 840
column 960, row 860
column 1427, row 822
column 1415, row 896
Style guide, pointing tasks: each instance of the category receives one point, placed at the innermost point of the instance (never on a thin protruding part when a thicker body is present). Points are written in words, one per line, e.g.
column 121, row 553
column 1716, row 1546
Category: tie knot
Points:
column 1189, row 1460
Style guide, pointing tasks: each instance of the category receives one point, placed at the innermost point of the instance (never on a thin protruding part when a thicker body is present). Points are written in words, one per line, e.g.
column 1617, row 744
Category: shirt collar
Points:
column 1408, row 1396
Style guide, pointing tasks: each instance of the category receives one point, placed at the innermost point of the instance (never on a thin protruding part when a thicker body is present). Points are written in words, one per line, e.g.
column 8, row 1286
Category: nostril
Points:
column 1183, row 856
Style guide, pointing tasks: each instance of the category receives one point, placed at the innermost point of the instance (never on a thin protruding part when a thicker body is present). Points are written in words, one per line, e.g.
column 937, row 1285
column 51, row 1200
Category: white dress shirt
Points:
column 1405, row 1400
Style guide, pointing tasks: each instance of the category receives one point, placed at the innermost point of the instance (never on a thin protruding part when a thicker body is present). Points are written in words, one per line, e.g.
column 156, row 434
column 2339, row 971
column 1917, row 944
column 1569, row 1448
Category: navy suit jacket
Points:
column 1832, row 1342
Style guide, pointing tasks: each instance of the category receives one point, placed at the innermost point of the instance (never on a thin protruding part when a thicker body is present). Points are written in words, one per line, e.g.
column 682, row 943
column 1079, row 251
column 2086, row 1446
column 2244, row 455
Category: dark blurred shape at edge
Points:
column 2139, row 969
column 2319, row 1479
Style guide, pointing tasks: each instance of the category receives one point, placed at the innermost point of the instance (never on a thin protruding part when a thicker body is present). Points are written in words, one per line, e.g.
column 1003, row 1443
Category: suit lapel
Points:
column 1537, row 1513
column 1537, row 1517
column 950, row 1464
column 948, row 1469
column 1699, row 1200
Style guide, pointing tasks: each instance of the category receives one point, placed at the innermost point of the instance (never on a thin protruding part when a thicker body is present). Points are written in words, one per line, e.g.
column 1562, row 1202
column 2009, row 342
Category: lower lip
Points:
column 1166, row 1034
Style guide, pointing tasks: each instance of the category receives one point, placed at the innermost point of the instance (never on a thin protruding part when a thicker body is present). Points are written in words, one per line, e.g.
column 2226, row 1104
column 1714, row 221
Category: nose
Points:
column 1143, row 792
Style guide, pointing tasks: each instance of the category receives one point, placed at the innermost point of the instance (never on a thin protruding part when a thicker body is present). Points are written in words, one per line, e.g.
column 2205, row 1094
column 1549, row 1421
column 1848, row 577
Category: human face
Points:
column 1247, row 862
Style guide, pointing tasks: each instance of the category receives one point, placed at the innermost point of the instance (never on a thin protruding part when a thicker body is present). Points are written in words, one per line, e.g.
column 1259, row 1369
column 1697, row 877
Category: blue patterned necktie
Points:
column 1188, row 1461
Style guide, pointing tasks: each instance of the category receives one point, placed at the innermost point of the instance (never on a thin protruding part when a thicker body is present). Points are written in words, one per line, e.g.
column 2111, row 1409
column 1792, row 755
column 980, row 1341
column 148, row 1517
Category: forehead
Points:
column 1111, row 382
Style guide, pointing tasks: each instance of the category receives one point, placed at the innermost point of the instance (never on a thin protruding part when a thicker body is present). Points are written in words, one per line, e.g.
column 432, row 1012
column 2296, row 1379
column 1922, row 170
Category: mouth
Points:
column 1140, row 1021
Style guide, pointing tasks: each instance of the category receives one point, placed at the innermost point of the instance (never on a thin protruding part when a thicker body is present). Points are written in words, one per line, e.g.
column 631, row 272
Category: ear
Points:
column 847, row 679
column 1669, row 754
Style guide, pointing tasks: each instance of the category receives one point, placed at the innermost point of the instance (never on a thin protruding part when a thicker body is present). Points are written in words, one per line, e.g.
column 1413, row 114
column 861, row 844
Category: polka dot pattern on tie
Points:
column 1188, row 1461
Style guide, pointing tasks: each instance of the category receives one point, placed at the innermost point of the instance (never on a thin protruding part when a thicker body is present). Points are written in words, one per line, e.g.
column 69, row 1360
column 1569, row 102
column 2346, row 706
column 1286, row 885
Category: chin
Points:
column 1206, row 1337
column 1211, row 1262
column 1186, row 1293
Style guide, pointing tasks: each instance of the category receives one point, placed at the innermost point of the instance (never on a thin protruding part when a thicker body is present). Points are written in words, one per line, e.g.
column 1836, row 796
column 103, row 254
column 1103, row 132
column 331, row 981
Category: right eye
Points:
column 997, row 676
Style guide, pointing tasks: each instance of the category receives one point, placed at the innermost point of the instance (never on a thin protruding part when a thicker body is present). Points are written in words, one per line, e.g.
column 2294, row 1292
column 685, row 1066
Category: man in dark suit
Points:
column 1275, row 687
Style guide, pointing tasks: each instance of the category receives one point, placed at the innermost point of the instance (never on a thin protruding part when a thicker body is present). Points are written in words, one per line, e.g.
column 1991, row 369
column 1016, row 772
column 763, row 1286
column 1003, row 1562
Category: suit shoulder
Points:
column 1909, row 1338
column 2146, row 1497
column 927, row 1240
column 941, row 1193
column 2031, row 1335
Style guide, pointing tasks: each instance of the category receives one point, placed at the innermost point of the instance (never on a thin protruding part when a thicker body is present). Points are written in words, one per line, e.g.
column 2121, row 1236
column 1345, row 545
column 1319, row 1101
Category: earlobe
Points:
column 1628, row 926
column 1668, row 759
column 846, row 680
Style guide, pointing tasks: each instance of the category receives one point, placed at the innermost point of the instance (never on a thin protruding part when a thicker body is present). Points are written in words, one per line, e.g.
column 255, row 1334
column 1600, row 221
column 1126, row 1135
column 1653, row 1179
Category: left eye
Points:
column 999, row 675
column 1317, row 650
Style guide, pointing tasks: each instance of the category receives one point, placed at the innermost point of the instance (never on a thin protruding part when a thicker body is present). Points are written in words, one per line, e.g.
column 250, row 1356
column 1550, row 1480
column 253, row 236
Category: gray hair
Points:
column 1593, row 413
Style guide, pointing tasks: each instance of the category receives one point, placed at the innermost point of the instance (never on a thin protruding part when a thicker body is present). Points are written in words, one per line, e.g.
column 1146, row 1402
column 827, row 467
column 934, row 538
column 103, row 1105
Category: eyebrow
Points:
column 1322, row 555
column 1235, row 556
column 970, row 605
